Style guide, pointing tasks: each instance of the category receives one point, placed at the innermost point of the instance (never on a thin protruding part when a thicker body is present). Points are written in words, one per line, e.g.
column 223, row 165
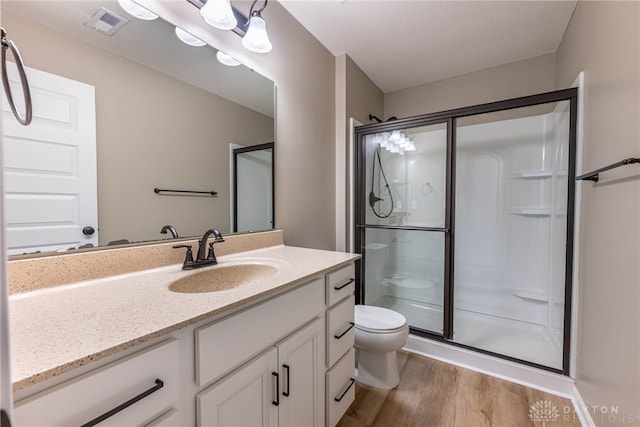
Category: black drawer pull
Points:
column 344, row 285
column 277, row 401
column 338, row 399
column 288, row 368
column 125, row 405
column 351, row 325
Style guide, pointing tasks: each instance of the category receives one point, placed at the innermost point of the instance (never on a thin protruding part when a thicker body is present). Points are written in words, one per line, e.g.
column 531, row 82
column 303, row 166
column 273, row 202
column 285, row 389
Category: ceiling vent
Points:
column 106, row 22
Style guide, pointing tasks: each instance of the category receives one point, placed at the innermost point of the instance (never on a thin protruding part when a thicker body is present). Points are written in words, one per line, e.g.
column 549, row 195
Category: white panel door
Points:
column 248, row 397
column 302, row 397
column 50, row 166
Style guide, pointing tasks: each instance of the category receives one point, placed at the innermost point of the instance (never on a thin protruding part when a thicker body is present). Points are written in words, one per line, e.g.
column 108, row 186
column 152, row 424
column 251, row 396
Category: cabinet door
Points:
column 301, row 379
column 247, row 397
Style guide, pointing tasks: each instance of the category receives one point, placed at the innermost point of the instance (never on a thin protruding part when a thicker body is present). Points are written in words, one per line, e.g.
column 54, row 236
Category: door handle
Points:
column 88, row 230
column 277, row 401
column 288, row 369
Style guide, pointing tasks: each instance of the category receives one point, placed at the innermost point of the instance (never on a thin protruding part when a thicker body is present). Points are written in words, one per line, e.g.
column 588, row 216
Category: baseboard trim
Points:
column 581, row 409
column 539, row 379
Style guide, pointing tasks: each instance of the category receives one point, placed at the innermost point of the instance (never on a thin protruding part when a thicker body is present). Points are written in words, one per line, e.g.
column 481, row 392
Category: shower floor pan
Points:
column 521, row 340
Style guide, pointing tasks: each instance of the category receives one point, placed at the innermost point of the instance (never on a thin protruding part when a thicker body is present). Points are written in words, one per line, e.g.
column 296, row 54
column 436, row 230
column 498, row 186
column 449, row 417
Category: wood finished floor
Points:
column 434, row 394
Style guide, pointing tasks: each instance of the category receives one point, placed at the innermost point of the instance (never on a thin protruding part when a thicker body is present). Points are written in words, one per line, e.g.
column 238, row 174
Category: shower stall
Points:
column 464, row 220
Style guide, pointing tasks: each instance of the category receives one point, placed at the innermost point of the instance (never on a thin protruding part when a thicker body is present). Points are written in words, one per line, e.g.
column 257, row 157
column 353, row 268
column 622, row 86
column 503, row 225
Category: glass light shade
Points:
column 136, row 10
column 256, row 38
column 188, row 38
column 219, row 14
column 225, row 59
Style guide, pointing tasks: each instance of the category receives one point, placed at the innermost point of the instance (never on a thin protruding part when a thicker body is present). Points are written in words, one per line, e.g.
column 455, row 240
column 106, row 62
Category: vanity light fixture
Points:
column 256, row 39
column 253, row 30
column 188, row 38
column 219, row 14
column 227, row 59
column 134, row 9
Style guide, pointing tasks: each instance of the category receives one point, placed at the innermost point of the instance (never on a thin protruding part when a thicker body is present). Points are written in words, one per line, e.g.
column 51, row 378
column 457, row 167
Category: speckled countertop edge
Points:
column 56, row 330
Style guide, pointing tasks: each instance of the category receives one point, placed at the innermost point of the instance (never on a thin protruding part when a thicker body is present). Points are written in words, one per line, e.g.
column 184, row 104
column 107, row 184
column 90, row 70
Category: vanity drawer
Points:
column 227, row 343
column 84, row 398
column 341, row 388
column 340, row 283
column 340, row 330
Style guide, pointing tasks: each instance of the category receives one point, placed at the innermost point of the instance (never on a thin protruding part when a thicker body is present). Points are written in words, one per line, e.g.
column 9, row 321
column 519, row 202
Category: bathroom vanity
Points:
column 273, row 348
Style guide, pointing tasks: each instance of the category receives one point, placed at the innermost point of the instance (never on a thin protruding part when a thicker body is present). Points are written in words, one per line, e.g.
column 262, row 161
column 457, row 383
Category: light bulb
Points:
column 395, row 136
column 134, row 9
column 219, row 14
column 188, row 38
column 256, row 38
column 226, row 59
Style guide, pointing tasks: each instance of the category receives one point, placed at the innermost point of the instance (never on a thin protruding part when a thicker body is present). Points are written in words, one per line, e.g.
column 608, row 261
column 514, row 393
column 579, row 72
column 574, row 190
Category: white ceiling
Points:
column 402, row 43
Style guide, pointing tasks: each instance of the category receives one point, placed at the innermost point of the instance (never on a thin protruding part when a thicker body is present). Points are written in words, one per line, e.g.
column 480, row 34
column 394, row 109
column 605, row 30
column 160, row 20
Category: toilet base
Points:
column 377, row 369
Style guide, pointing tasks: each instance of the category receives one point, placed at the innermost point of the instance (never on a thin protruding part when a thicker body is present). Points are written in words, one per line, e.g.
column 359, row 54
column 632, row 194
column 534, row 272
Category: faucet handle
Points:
column 211, row 255
column 188, row 260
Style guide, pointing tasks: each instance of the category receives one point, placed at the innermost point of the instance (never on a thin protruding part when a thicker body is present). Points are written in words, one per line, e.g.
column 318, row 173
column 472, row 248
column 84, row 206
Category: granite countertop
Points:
column 56, row 330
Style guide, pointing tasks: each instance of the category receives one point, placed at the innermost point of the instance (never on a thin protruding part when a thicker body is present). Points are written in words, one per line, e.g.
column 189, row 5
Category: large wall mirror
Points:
column 167, row 116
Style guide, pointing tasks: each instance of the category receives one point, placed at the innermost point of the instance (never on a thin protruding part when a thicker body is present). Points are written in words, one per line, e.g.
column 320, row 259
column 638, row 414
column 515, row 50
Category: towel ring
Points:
column 8, row 44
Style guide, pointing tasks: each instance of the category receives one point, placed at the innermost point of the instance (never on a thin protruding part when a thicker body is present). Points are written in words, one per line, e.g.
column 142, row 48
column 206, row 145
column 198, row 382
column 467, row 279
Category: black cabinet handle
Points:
column 288, row 368
column 351, row 325
column 344, row 285
column 277, row 401
column 338, row 399
column 125, row 405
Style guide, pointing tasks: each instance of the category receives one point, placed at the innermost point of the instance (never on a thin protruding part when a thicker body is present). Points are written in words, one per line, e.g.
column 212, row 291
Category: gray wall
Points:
column 603, row 39
column 356, row 97
column 520, row 78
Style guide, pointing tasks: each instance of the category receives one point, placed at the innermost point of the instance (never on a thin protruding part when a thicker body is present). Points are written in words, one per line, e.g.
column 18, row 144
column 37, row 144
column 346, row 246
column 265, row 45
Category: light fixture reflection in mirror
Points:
column 134, row 9
column 188, row 38
column 227, row 59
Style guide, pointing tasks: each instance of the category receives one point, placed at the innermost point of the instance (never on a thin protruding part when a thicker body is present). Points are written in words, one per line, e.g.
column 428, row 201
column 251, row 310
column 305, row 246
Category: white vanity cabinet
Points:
column 340, row 336
column 149, row 375
column 280, row 387
column 284, row 359
column 283, row 385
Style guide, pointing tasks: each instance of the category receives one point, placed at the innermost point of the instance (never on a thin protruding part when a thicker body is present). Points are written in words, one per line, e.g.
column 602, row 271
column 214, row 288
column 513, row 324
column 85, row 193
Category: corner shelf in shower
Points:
column 535, row 212
column 530, row 296
column 533, row 174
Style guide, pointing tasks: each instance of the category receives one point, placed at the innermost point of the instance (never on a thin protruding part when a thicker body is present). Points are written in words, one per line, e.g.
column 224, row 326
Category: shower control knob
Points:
column 88, row 230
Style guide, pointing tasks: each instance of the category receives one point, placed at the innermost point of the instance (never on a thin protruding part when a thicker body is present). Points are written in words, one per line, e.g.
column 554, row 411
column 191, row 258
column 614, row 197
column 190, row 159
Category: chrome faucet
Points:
column 171, row 229
column 203, row 258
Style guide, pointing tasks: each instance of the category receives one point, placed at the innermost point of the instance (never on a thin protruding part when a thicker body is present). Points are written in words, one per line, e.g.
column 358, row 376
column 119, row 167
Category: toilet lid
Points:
column 369, row 317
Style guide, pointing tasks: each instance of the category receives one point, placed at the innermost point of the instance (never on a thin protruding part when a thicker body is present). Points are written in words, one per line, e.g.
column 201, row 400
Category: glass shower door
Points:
column 403, row 225
column 511, row 228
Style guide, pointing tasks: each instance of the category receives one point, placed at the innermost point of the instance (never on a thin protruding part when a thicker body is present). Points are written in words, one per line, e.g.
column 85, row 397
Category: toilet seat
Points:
column 378, row 320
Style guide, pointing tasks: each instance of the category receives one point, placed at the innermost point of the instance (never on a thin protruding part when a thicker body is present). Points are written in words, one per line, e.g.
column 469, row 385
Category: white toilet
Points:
column 379, row 333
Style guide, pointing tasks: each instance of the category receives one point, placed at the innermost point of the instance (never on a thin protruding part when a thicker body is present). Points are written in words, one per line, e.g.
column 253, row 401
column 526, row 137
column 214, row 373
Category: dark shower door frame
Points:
column 450, row 117
column 249, row 149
